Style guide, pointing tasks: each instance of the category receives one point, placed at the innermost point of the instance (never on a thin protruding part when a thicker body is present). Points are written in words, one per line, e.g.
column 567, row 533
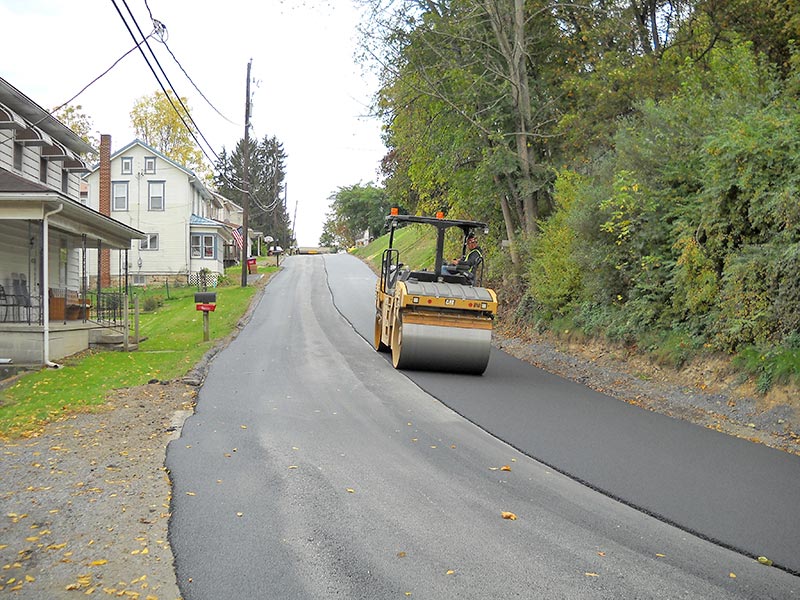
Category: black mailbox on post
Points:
column 205, row 297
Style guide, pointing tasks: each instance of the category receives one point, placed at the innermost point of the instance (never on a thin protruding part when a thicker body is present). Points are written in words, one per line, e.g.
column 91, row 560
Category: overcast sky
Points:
column 308, row 90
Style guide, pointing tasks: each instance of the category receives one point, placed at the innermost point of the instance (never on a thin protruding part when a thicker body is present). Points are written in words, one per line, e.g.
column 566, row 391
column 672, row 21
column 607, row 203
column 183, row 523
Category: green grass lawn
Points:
column 173, row 343
column 416, row 244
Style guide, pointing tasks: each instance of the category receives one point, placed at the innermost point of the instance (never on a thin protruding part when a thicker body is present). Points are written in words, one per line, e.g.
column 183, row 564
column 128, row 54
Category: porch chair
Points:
column 22, row 295
column 6, row 302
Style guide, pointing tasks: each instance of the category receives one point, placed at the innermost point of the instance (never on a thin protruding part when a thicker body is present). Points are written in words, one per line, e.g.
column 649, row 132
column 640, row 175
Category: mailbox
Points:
column 205, row 297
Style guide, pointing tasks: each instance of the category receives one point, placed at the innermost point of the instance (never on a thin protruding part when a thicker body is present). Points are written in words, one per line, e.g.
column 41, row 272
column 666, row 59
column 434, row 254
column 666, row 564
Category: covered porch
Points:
column 47, row 309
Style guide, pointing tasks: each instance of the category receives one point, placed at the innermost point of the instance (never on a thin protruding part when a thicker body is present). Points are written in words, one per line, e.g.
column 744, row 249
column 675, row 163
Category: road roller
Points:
column 439, row 320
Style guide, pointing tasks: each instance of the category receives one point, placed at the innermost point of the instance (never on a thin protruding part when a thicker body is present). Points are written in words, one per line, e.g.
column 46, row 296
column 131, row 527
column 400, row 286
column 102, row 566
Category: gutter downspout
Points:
column 46, row 286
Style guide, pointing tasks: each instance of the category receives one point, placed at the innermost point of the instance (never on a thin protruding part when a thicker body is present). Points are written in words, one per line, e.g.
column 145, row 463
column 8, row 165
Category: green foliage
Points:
column 266, row 185
column 151, row 303
column 772, row 365
column 554, row 274
column 672, row 221
column 161, row 121
column 353, row 210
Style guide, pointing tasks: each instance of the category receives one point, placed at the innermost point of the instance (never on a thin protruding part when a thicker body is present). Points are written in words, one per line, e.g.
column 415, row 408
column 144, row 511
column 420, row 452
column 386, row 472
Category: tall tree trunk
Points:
column 509, row 30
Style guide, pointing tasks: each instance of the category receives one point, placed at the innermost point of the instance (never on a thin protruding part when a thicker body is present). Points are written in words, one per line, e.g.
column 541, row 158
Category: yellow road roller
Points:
column 439, row 320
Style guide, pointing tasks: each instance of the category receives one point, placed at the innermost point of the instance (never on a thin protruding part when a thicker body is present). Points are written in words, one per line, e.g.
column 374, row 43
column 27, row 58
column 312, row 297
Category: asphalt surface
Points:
column 742, row 495
column 312, row 469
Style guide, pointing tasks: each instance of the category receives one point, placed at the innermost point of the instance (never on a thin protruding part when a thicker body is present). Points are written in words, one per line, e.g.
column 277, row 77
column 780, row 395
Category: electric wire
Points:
column 92, row 82
column 255, row 199
column 162, row 37
column 166, row 78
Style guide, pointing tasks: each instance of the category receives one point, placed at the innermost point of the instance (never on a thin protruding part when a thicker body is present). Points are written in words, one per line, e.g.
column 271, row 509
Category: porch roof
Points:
column 22, row 199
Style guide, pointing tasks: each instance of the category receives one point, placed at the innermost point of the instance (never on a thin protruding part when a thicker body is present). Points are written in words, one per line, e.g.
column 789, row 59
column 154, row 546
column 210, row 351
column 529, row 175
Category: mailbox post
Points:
column 205, row 302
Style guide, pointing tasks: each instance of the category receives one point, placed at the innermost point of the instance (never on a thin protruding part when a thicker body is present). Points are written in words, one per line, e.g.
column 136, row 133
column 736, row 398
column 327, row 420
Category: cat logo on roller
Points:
column 438, row 320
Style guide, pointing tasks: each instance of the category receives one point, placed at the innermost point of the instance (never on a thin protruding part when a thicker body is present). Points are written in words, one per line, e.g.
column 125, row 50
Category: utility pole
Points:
column 246, row 181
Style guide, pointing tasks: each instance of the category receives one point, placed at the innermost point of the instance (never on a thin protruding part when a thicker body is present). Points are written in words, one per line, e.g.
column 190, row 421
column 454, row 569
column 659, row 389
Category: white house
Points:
column 181, row 217
column 47, row 235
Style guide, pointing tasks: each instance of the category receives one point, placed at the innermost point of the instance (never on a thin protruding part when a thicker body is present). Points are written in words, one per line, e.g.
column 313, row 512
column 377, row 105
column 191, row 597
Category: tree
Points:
column 267, row 160
column 354, row 209
column 79, row 122
column 160, row 121
column 469, row 107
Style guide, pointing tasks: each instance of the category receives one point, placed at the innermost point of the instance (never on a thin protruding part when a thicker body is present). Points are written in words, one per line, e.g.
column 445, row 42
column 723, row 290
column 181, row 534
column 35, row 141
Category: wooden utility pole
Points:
column 246, row 180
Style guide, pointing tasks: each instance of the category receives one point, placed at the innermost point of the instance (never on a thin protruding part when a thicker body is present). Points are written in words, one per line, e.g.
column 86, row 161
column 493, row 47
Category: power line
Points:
column 161, row 37
column 161, row 84
column 92, row 82
column 160, row 29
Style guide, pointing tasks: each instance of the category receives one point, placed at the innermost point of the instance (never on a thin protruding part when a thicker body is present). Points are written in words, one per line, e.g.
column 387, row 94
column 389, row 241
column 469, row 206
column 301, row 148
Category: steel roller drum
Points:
column 438, row 348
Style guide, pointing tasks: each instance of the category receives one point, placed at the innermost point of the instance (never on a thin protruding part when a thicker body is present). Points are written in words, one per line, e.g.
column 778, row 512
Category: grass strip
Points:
column 173, row 343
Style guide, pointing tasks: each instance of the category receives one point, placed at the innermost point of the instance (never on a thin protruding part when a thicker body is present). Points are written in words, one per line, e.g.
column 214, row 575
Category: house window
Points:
column 204, row 246
column 155, row 195
column 119, row 195
column 150, row 243
column 126, row 164
column 65, row 181
column 43, row 170
column 139, row 280
column 150, row 164
column 18, row 156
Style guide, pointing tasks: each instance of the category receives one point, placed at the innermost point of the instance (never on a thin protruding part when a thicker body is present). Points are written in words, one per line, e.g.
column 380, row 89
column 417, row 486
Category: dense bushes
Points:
column 691, row 224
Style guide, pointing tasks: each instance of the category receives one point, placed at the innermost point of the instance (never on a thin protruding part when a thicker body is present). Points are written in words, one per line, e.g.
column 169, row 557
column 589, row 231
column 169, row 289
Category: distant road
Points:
column 312, row 469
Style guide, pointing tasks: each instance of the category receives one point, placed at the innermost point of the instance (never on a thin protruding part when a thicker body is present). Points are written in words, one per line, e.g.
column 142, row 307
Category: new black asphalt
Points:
column 736, row 493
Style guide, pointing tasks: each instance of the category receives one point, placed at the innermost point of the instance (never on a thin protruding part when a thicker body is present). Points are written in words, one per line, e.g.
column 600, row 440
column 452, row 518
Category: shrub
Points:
column 151, row 303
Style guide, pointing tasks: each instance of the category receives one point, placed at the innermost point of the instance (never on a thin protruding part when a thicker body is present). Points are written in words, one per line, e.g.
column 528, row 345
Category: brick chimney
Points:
column 105, row 204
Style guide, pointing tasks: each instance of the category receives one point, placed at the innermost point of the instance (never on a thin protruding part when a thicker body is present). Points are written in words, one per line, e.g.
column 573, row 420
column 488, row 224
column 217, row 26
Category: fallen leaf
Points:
column 660, row 555
column 238, row 514
column 450, row 572
column 508, row 515
column 190, row 494
column 97, row 563
column 351, row 491
column 292, row 466
column 601, row 554
column 244, row 426
column 732, row 575
column 764, row 561
column 505, row 468
column 591, row 574
column 401, row 554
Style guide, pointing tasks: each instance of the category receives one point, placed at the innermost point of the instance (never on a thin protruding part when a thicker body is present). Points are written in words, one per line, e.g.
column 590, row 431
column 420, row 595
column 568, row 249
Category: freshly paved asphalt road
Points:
column 742, row 495
column 312, row 469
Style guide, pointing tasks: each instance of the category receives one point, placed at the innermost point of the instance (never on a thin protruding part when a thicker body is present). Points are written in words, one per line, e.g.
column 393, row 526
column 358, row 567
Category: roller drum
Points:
column 437, row 348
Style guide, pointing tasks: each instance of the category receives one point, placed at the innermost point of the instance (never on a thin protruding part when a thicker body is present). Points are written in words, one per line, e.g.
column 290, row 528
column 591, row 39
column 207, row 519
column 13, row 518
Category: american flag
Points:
column 237, row 236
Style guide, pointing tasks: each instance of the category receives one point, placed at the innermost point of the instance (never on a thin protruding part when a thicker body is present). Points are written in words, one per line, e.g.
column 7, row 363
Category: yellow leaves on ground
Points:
column 508, row 515
column 591, row 575
column 450, row 572
column 351, row 491
column 764, row 561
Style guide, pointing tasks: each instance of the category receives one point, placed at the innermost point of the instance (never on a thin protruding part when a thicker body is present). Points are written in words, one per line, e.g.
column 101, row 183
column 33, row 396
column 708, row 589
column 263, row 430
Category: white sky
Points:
column 310, row 93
